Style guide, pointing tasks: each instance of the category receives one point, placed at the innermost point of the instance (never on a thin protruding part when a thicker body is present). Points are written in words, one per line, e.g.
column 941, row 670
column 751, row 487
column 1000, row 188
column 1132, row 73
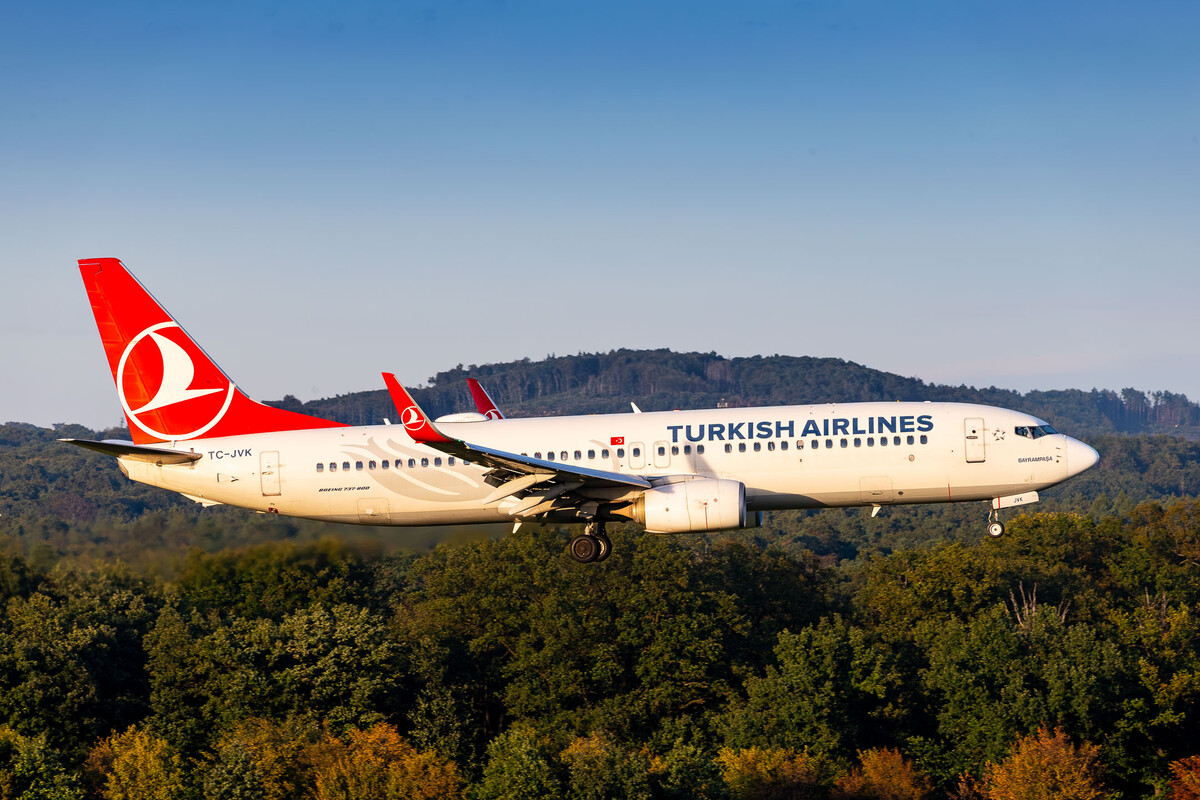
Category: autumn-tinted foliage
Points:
column 681, row 667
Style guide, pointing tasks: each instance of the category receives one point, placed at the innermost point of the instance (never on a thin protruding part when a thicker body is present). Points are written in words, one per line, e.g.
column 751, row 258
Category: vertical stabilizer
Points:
column 169, row 388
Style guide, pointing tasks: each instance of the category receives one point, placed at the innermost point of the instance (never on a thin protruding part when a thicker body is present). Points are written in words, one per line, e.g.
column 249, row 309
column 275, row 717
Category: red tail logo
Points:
column 161, row 351
column 169, row 388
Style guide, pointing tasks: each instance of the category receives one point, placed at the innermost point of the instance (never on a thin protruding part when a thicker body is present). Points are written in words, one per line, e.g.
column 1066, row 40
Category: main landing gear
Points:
column 995, row 527
column 593, row 545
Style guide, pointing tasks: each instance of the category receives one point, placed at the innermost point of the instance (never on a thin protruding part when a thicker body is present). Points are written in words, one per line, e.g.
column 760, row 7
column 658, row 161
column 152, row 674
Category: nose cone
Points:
column 1080, row 457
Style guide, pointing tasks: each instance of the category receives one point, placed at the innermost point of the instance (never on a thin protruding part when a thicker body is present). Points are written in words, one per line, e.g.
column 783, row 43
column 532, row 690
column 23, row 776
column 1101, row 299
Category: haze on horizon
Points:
column 982, row 194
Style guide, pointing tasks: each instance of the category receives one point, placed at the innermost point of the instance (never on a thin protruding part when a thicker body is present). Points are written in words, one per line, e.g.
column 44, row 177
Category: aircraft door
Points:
column 268, row 471
column 637, row 455
column 973, row 431
column 662, row 455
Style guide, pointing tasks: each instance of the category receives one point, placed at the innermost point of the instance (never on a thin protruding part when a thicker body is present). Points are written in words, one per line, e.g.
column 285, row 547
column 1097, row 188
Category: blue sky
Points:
column 983, row 193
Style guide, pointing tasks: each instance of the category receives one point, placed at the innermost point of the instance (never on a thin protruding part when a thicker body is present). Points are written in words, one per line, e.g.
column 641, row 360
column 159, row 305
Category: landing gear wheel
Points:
column 995, row 529
column 605, row 546
column 585, row 549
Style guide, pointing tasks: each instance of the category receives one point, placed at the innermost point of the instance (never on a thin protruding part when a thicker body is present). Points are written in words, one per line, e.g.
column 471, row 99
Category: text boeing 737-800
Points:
column 195, row 433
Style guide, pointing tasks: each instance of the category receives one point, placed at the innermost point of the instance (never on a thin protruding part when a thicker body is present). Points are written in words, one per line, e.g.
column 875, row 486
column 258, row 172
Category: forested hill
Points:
column 593, row 383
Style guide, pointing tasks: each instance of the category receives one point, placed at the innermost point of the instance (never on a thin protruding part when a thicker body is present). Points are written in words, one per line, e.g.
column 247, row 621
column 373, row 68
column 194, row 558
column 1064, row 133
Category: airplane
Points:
column 194, row 432
column 483, row 401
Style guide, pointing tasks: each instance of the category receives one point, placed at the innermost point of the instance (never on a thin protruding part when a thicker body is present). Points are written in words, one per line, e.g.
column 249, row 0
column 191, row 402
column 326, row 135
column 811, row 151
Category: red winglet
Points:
column 483, row 401
column 414, row 420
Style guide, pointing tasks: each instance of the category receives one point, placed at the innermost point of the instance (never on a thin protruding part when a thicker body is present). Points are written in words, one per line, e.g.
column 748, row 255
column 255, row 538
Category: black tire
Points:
column 605, row 547
column 585, row 549
column 995, row 529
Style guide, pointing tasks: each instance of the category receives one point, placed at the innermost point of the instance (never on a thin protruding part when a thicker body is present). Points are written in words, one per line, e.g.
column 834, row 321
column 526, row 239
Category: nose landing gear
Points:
column 995, row 528
column 592, row 545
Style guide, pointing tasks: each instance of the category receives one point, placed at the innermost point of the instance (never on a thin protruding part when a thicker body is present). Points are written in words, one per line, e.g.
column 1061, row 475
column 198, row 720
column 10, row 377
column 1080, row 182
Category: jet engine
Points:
column 705, row 504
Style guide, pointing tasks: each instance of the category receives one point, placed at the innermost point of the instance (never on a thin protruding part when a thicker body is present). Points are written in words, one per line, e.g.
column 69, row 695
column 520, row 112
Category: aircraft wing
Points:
column 518, row 470
column 139, row 452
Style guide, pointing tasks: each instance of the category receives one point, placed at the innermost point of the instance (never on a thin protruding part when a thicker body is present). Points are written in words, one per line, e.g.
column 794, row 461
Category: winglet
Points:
column 483, row 401
column 412, row 417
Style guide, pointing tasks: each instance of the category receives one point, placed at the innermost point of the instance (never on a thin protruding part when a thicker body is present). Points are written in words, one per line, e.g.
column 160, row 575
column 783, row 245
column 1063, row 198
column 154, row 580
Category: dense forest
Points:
column 153, row 649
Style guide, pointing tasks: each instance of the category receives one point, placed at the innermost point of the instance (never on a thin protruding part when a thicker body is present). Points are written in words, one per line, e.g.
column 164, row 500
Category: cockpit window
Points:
column 1034, row 431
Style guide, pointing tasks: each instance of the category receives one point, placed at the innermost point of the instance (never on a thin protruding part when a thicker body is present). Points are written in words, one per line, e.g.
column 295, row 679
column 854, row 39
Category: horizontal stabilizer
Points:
column 138, row 452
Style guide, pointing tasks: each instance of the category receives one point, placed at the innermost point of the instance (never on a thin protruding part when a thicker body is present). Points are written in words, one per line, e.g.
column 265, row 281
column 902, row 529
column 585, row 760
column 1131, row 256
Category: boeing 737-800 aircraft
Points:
column 195, row 433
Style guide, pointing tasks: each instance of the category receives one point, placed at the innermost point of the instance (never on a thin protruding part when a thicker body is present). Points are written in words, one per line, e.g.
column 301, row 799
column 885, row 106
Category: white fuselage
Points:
column 787, row 456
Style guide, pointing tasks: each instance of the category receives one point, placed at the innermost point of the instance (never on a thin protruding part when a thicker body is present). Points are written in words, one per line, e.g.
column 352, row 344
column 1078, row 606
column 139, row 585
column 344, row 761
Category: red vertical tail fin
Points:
column 169, row 388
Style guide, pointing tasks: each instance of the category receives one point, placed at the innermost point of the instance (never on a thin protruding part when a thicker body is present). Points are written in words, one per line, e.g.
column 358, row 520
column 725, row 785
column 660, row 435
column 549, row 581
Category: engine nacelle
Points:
column 707, row 504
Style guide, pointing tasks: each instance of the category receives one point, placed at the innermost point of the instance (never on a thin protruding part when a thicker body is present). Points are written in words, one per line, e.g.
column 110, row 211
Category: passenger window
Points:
column 412, row 463
column 550, row 456
column 562, row 456
column 784, row 445
column 699, row 449
column 674, row 449
column 437, row 462
column 371, row 465
column 728, row 448
column 636, row 452
column 384, row 465
column 662, row 450
column 896, row 441
column 537, row 454
column 757, row 447
column 741, row 447
column 578, row 456
column 857, row 442
column 320, row 467
column 870, row 441
column 828, row 443
column 604, row 453
column 591, row 455
column 620, row 452
column 424, row 462
column 845, row 443
column 345, row 466
column 687, row 449
column 924, row 439
column 883, row 441
column 450, row 461
column 911, row 440
column 358, row 465
column 333, row 466
column 770, row 445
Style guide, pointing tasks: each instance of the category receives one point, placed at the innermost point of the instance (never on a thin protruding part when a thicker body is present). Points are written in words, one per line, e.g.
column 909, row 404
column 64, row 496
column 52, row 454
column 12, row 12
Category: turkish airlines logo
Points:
column 411, row 419
column 494, row 414
column 192, row 418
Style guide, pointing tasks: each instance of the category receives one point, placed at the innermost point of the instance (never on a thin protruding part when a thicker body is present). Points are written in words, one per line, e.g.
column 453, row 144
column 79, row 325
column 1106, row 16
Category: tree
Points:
column 821, row 694
column 135, row 765
column 882, row 774
column 599, row 769
column 770, row 774
column 1046, row 766
column 518, row 768
column 377, row 764
column 1185, row 779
